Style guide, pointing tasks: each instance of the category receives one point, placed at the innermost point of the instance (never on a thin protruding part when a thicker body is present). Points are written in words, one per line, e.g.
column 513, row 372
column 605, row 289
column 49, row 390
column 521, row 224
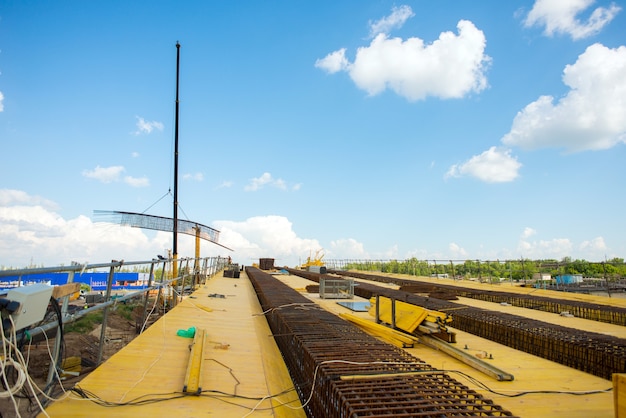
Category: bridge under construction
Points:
column 268, row 343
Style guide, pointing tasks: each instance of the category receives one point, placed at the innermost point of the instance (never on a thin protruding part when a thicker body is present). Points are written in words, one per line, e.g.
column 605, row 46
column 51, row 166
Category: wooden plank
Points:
column 65, row 289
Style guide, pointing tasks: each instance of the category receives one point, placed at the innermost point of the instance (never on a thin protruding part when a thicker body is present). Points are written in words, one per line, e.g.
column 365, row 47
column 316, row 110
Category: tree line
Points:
column 515, row 270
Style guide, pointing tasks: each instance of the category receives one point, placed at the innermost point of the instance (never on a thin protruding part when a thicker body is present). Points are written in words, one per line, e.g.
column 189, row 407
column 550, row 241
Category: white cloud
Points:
column 137, row 181
column 195, row 176
column 595, row 246
column 225, row 184
column 114, row 174
column 556, row 248
column 589, row 117
column 1, row 102
column 134, row 154
column 492, row 166
column 560, row 17
column 397, row 18
column 105, row 174
column 11, row 197
column 457, row 251
column 145, row 127
column 450, row 67
column 334, row 62
column 347, row 248
column 528, row 232
column 265, row 236
column 265, row 179
column 32, row 232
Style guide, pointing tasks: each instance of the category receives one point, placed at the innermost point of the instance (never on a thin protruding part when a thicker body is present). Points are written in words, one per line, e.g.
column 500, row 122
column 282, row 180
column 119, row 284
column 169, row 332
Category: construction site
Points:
column 278, row 341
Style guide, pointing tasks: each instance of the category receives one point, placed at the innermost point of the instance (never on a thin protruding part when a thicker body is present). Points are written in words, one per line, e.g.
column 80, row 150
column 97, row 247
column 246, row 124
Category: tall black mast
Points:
column 175, row 237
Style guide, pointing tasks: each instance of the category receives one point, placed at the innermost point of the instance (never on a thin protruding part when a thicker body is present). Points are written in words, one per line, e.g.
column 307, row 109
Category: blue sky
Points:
column 367, row 129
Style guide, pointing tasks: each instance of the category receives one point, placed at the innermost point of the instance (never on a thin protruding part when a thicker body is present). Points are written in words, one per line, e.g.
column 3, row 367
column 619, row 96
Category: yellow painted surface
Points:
column 531, row 373
column 242, row 374
column 619, row 394
column 407, row 317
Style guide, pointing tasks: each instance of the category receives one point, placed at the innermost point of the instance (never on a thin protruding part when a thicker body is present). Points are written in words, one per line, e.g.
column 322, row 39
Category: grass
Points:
column 88, row 322
column 125, row 310
column 85, row 324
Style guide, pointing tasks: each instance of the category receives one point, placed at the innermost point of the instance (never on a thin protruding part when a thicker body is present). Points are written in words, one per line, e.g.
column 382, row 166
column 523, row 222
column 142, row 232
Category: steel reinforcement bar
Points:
column 592, row 311
column 594, row 353
column 340, row 371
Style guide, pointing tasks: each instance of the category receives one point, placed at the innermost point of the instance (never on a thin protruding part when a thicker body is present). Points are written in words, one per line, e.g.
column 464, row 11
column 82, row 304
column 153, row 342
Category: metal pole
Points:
column 160, row 292
column 57, row 340
column 145, row 301
column 175, row 235
column 105, row 313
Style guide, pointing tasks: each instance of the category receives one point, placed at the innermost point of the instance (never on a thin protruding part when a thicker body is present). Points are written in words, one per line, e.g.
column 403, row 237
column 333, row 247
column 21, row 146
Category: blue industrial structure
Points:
column 96, row 280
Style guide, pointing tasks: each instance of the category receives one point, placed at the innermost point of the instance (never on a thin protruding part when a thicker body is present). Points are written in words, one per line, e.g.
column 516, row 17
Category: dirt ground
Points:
column 119, row 332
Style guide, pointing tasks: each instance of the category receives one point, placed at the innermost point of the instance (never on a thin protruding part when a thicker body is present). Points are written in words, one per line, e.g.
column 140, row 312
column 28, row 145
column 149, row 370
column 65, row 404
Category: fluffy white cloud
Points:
column 556, row 248
column 450, row 67
column 528, row 232
column 347, row 248
column 195, row 176
column 560, row 17
column 1, row 102
column 492, row 166
column 589, row 117
column 11, row 197
column 33, row 233
column 456, row 251
column 397, row 18
column 265, row 236
column 334, row 62
column 114, row 174
column 105, row 174
column 146, row 127
column 225, row 184
column 595, row 246
column 137, row 181
column 265, row 179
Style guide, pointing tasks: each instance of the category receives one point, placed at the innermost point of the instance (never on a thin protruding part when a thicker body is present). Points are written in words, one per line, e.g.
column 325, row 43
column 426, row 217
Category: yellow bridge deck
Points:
column 242, row 370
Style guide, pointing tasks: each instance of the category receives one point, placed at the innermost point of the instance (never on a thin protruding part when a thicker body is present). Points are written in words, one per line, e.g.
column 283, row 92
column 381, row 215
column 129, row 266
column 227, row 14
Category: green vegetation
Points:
column 125, row 310
column 88, row 322
column 85, row 324
column 516, row 270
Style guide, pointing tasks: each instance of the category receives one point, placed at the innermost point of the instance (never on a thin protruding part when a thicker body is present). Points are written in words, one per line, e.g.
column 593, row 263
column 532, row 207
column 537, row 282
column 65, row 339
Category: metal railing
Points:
column 191, row 273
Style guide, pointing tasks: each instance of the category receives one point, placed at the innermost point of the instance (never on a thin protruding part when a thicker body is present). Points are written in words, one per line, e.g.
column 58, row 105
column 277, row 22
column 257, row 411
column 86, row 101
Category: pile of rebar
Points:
column 340, row 371
column 592, row 311
column 594, row 353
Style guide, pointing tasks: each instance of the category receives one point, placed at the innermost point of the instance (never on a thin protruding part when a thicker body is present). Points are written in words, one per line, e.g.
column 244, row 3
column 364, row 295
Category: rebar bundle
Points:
column 340, row 371
column 594, row 353
column 592, row 311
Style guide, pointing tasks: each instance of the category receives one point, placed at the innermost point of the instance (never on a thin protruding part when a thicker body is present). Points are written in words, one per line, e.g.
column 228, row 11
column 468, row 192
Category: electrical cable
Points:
column 483, row 386
column 303, row 305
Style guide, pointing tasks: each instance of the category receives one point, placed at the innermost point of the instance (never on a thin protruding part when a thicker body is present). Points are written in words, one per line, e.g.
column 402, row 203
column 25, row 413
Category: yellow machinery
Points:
column 313, row 261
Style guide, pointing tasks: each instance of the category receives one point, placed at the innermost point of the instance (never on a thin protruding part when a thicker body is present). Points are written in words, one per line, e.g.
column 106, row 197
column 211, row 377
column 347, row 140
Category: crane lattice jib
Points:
column 159, row 223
